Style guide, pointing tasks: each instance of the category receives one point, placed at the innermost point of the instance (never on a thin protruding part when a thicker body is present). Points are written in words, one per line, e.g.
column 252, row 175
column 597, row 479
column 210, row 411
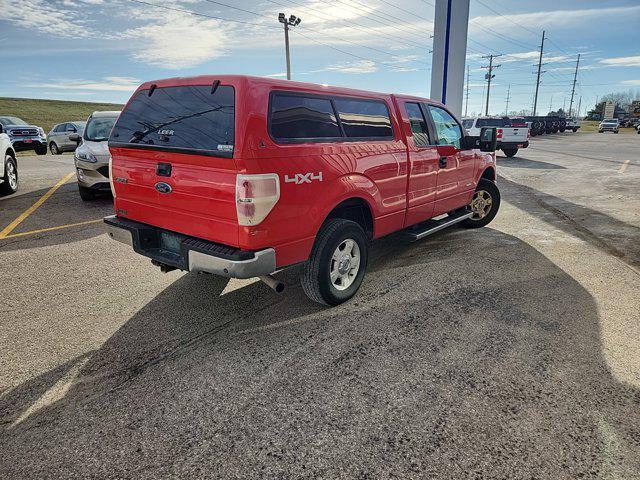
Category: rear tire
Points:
column 575, row 130
column 335, row 269
column 510, row 152
column 10, row 179
column 86, row 194
column 41, row 150
column 55, row 150
column 484, row 205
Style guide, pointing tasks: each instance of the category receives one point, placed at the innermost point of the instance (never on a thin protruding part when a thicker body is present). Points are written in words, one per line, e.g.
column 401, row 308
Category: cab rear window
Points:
column 185, row 119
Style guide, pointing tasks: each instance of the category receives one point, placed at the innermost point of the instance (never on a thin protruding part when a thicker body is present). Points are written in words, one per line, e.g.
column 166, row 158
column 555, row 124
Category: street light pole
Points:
column 292, row 21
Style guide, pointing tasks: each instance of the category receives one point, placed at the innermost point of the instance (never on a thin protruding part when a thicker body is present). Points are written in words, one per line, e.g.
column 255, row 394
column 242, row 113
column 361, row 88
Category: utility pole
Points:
column 506, row 110
column 466, row 105
column 551, row 103
column 489, row 76
column 573, row 90
column 535, row 99
column 579, row 105
column 292, row 21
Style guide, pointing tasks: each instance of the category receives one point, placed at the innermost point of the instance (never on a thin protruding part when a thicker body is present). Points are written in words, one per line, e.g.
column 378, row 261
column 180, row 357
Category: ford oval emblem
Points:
column 163, row 187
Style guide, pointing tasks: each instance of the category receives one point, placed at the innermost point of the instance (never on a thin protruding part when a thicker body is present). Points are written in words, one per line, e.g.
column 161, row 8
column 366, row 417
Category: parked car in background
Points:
column 8, row 165
column 612, row 125
column 242, row 176
column 59, row 136
column 92, row 155
column 24, row 136
column 510, row 138
column 573, row 124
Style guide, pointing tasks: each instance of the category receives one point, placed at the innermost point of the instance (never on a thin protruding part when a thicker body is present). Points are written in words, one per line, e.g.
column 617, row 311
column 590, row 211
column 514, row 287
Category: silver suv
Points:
column 609, row 126
column 92, row 155
column 59, row 140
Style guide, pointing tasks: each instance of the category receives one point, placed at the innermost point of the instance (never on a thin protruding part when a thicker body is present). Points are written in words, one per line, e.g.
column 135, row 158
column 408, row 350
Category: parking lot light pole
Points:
column 292, row 21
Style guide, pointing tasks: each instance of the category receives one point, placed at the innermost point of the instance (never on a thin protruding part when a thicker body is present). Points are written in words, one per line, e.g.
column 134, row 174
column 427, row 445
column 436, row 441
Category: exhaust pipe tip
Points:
column 274, row 284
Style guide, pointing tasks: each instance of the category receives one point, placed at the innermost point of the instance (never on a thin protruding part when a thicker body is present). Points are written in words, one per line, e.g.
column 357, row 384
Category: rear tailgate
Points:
column 172, row 161
column 517, row 135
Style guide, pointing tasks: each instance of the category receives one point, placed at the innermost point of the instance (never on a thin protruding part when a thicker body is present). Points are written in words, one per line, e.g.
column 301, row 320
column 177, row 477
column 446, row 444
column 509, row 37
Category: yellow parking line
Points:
column 624, row 166
column 68, row 225
column 9, row 228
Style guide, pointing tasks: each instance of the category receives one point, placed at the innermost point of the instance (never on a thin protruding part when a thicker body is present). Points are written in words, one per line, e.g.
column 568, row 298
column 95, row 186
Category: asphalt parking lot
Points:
column 512, row 351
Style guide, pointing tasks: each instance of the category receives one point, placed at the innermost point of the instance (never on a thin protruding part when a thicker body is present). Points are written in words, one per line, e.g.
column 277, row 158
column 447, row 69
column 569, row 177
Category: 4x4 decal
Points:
column 300, row 178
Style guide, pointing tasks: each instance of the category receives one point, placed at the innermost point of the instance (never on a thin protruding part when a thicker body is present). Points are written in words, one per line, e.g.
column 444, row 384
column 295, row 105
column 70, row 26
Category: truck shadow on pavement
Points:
column 467, row 356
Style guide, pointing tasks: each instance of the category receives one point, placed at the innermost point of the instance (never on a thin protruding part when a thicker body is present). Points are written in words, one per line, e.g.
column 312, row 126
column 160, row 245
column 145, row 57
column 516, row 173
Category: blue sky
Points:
column 100, row 50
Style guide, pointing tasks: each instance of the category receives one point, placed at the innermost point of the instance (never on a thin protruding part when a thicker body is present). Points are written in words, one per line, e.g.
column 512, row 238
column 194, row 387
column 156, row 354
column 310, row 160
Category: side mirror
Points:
column 488, row 139
column 74, row 137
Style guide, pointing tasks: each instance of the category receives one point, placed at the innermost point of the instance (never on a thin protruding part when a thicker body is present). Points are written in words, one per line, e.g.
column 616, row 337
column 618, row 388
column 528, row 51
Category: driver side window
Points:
column 447, row 128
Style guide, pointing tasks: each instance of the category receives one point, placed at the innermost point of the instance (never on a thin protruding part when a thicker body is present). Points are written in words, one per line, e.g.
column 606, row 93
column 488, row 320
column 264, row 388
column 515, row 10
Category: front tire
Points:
column 510, row 152
column 484, row 204
column 335, row 269
column 10, row 183
column 41, row 150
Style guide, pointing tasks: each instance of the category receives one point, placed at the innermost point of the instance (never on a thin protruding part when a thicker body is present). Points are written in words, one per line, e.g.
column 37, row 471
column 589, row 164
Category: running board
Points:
column 433, row 226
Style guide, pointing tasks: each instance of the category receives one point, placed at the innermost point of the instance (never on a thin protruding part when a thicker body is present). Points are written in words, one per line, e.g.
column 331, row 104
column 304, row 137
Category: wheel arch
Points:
column 489, row 173
column 355, row 208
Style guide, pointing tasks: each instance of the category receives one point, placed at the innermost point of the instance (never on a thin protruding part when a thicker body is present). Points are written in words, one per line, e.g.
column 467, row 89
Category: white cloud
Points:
column 549, row 18
column 179, row 40
column 633, row 83
column 119, row 84
column 633, row 61
column 362, row 66
column 42, row 16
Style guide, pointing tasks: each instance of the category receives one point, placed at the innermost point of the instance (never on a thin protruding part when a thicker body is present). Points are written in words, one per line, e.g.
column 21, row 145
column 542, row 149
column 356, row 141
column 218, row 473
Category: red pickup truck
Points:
column 242, row 176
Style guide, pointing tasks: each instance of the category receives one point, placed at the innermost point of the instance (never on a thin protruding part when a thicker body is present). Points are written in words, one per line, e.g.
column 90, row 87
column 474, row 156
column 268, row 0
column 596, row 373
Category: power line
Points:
column 404, row 10
column 353, row 24
column 510, row 19
column 389, row 20
column 175, row 9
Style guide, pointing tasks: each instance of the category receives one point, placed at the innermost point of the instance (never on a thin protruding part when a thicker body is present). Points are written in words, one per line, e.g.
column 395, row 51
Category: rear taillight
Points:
column 113, row 190
column 528, row 134
column 499, row 133
column 256, row 195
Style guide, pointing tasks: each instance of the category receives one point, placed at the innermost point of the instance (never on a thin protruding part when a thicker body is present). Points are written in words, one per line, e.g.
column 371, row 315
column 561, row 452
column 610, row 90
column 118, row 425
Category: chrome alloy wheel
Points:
column 481, row 204
column 345, row 264
column 12, row 175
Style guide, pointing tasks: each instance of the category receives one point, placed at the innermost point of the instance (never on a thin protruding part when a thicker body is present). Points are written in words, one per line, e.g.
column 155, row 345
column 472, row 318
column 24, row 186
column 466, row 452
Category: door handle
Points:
column 443, row 162
column 163, row 169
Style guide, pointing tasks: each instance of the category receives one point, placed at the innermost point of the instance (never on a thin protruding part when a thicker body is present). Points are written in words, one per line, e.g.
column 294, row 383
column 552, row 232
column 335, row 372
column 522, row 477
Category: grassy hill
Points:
column 47, row 113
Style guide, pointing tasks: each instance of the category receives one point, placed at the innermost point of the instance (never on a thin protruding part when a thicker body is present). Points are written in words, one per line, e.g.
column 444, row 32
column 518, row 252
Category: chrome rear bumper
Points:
column 188, row 253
